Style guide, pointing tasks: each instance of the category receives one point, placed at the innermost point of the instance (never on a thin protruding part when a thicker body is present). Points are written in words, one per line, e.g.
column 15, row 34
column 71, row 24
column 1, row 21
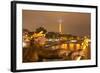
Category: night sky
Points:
column 72, row 22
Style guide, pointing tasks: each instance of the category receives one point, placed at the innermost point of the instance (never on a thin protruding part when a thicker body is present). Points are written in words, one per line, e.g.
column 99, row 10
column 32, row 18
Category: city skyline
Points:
column 70, row 22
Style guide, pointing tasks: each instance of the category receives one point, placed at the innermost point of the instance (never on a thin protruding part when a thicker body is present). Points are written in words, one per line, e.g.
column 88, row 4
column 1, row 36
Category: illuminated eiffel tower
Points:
column 60, row 26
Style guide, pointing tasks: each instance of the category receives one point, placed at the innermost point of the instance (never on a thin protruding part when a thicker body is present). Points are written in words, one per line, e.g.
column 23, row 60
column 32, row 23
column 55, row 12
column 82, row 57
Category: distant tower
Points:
column 60, row 26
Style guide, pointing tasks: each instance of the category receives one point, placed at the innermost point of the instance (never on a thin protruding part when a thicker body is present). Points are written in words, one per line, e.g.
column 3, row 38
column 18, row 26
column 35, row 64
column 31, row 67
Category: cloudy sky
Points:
column 72, row 22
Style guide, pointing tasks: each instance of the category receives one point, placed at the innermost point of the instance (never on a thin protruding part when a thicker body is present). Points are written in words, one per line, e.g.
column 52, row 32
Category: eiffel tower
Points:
column 60, row 26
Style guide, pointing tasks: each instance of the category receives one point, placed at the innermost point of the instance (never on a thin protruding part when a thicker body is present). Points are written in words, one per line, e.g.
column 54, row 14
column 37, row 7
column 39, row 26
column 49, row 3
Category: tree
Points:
column 41, row 29
column 52, row 35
